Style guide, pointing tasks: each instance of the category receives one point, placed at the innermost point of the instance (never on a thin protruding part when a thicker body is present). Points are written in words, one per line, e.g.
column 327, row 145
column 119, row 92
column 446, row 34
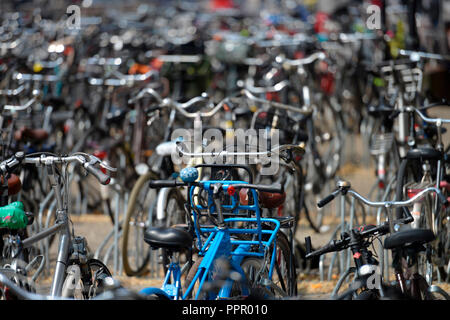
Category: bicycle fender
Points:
column 161, row 203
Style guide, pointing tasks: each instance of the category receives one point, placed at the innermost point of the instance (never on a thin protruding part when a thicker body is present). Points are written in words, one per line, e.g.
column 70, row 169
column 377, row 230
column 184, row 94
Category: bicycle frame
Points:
column 219, row 244
column 62, row 219
column 62, row 227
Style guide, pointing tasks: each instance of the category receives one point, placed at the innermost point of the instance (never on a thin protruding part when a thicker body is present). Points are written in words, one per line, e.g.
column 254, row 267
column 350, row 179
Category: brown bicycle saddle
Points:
column 266, row 199
column 31, row 135
column 14, row 184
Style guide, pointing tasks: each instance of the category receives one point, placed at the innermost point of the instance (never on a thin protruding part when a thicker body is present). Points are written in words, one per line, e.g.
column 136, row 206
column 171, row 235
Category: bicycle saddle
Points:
column 271, row 200
column 174, row 239
column 408, row 237
column 424, row 153
column 31, row 135
column 14, row 184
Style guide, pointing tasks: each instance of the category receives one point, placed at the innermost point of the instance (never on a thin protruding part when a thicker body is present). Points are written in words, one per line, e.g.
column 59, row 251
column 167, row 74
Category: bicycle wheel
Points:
column 81, row 283
column 215, row 280
column 99, row 272
column 284, row 278
column 285, row 275
column 175, row 213
column 255, row 273
column 326, row 131
column 190, row 277
column 136, row 253
column 21, row 280
column 409, row 172
column 410, row 178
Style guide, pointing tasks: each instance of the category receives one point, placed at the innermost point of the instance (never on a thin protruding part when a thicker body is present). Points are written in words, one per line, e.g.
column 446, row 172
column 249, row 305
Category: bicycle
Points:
column 84, row 275
column 405, row 243
column 216, row 242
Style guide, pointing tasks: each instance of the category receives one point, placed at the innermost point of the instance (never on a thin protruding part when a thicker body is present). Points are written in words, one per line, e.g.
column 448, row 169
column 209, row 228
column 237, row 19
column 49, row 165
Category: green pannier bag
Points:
column 12, row 216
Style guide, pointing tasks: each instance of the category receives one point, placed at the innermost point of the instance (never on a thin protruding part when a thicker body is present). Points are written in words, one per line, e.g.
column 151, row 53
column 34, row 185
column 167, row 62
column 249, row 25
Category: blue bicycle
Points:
column 239, row 253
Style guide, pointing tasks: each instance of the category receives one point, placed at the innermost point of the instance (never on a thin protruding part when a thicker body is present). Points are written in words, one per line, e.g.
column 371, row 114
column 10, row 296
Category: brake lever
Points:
column 94, row 160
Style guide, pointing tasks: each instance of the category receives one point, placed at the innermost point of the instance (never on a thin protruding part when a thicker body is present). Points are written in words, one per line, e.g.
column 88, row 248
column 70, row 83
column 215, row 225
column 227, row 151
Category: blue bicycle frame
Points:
column 221, row 244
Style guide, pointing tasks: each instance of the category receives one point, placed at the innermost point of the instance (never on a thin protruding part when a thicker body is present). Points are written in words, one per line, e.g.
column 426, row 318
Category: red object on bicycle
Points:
column 100, row 154
column 221, row 4
column 273, row 96
column 243, row 196
column 271, row 200
column 327, row 83
column 319, row 25
column 231, row 190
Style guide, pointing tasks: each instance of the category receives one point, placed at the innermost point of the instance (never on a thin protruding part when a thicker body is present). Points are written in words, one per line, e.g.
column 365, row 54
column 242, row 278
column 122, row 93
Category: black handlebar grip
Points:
column 274, row 188
column 308, row 245
column 155, row 184
column 394, row 114
column 325, row 249
column 326, row 200
column 103, row 178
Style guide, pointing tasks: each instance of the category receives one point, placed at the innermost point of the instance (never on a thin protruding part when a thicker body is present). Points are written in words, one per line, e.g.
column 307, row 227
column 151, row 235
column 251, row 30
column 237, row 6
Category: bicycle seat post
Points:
column 216, row 194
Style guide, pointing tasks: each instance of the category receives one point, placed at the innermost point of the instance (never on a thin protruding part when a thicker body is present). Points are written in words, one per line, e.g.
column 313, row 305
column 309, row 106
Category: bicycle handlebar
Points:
column 86, row 160
column 276, row 149
column 274, row 188
column 338, row 245
column 36, row 77
column 304, row 111
column 36, row 98
column 12, row 92
column 328, row 199
column 103, row 178
column 275, row 88
column 417, row 55
column 180, row 107
column 301, row 62
column 122, row 80
column 378, row 204
column 426, row 119
column 155, row 184
column 104, row 61
column 180, row 58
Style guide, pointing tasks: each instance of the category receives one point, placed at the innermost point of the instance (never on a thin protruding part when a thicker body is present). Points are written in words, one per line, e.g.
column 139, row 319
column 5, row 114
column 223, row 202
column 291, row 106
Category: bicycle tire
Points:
column 284, row 277
column 236, row 290
column 410, row 171
column 132, row 207
column 290, row 281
